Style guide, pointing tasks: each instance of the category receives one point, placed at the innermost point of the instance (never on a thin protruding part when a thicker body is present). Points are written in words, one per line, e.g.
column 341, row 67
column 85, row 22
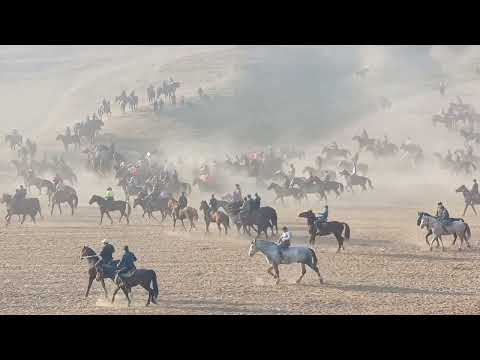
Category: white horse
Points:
column 457, row 228
column 294, row 254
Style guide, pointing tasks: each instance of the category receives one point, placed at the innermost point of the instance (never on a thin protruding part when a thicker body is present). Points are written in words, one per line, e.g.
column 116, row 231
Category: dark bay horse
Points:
column 92, row 258
column 150, row 206
column 106, row 206
column 217, row 217
column 143, row 277
column 22, row 207
column 64, row 196
column 332, row 227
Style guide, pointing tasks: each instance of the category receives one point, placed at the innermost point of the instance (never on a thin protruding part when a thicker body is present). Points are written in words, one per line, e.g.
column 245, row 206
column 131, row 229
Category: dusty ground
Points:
column 385, row 269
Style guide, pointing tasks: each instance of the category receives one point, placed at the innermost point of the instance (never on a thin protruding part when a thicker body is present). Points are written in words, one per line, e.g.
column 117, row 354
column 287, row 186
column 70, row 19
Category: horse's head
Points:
column 344, row 172
column 420, row 216
column 462, row 189
column 271, row 186
column 203, row 205
column 59, row 137
column 253, row 248
column 93, row 199
column 195, row 214
column 6, row 198
column 424, row 222
column 306, row 214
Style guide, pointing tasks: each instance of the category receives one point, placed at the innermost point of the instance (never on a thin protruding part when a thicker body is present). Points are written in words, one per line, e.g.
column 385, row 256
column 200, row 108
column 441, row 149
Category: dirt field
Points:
column 385, row 269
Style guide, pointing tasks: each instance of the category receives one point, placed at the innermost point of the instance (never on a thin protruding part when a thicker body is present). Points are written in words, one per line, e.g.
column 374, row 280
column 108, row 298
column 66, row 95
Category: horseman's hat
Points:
column 109, row 189
column 440, row 204
column 105, row 241
column 284, row 228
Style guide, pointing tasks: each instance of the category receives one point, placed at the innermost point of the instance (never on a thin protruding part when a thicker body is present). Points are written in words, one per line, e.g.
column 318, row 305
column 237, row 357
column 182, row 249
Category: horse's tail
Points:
column 75, row 201
column 154, row 284
column 467, row 233
column 314, row 256
column 347, row 231
column 370, row 183
column 341, row 187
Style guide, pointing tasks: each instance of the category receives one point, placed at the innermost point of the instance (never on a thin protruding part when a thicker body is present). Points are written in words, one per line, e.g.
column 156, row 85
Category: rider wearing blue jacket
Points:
column 127, row 264
column 322, row 217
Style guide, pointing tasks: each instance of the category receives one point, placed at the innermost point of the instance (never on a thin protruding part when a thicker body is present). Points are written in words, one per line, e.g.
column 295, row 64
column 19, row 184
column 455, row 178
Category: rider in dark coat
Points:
column 474, row 190
column 107, row 252
column 126, row 267
column 213, row 203
column 182, row 201
column 257, row 201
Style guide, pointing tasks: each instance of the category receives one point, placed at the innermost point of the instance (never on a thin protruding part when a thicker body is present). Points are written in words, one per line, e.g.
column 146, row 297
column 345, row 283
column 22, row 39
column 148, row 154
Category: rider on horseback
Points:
column 126, row 268
column 474, row 191
column 284, row 241
column 256, row 202
column 109, row 196
column 182, row 201
column 443, row 216
column 237, row 195
column 322, row 218
column 291, row 175
column 68, row 132
column 213, row 204
column 106, row 254
column 20, row 194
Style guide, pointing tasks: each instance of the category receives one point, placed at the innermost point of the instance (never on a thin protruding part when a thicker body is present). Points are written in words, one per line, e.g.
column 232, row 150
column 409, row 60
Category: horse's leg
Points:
column 121, row 216
column 340, row 242
column 473, row 208
column 183, row 225
column 430, row 232
column 277, row 273
column 111, row 220
column 23, row 219
column 90, row 281
column 104, row 287
column 71, row 206
column 101, row 217
column 441, row 241
column 59, row 208
column 115, row 293
column 150, row 295
column 269, row 270
column 303, row 273
column 125, row 291
column 51, row 212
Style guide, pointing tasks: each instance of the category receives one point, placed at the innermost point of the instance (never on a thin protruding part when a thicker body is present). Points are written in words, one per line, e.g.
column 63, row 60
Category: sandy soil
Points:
column 384, row 270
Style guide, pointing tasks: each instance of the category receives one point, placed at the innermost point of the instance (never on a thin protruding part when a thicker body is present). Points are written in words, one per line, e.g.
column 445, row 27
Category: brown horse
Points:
column 92, row 258
column 64, row 196
column 217, row 217
column 181, row 214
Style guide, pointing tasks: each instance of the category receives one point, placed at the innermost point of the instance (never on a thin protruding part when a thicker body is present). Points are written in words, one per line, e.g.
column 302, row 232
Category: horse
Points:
column 39, row 183
column 331, row 153
column 345, row 164
column 316, row 188
column 354, row 179
column 63, row 196
column 291, row 255
column 22, row 207
column 331, row 227
column 217, row 217
column 282, row 192
column 150, row 206
column 146, row 278
column 129, row 188
column 14, row 140
column 69, row 140
column 181, row 214
column 363, row 141
column 470, row 199
column 457, row 226
column 430, row 232
column 92, row 259
column 107, row 206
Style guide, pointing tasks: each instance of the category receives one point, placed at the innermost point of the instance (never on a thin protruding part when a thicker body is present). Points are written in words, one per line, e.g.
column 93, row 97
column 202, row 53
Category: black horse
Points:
column 150, row 206
column 107, row 206
column 332, row 227
column 22, row 207
column 263, row 218
column 143, row 277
